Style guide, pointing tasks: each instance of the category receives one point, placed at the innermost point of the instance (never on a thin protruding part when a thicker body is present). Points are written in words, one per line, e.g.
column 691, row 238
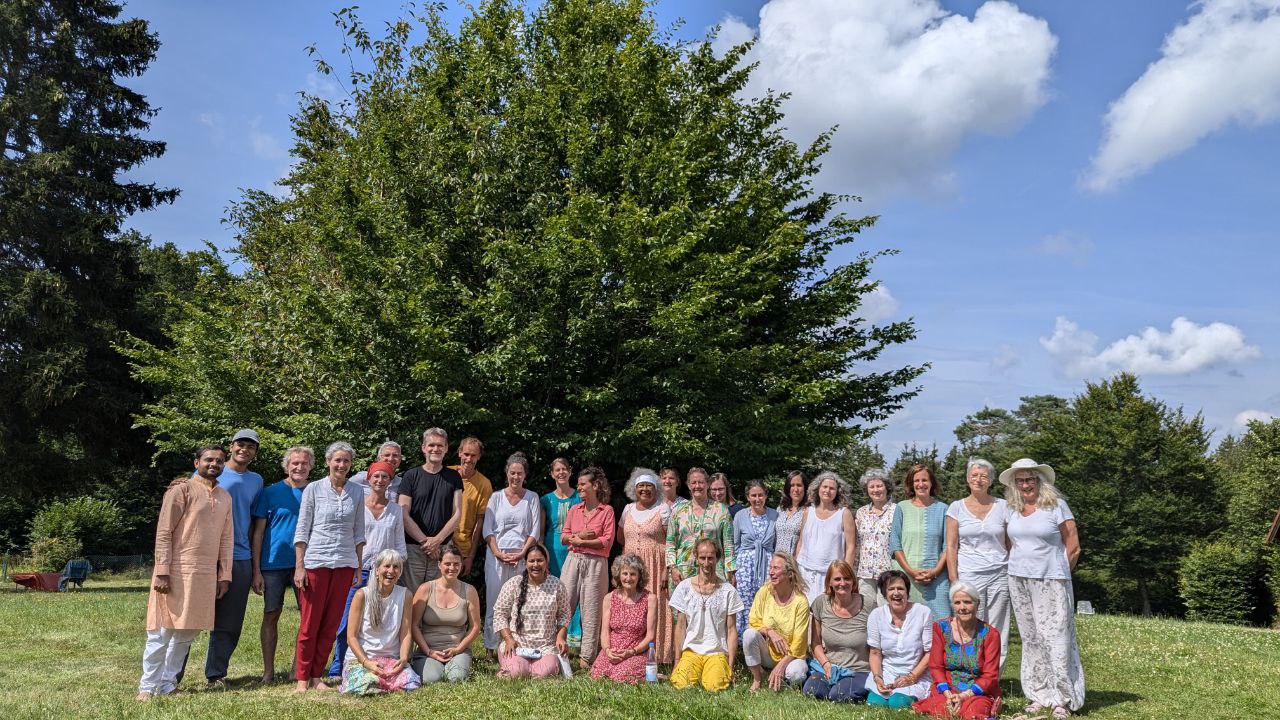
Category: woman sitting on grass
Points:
column 964, row 662
column 446, row 619
column 899, row 635
column 777, row 635
column 531, row 615
column 627, row 625
column 378, row 638
column 707, row 628
column 839, row 670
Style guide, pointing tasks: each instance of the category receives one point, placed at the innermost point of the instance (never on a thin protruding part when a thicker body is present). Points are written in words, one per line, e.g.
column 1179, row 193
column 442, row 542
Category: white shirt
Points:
column 1038, row 551
column 901, row 648
column 642, row 516
column 511, row 525
column 982, row 548
column 383, row 532
column 821, row 541
column 706, row 616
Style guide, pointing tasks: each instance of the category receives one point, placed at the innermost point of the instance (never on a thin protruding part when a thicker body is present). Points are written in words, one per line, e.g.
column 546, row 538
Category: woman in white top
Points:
column 378, row 633
column 827, row 532
column 707, row 628
column 977, row 548
column 1043, row 550
column 383, row 529
column 899, row 636
column 512, row 524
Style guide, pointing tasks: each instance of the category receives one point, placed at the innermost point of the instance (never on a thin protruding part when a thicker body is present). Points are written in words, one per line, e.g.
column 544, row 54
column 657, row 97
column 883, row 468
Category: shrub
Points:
column 1272, row 562
column 51, row 554
column 96, row 525
column 1218, row 581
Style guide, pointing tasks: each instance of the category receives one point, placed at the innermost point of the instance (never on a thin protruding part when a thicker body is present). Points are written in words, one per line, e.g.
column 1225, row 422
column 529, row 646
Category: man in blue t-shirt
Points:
column 228, row 612
column 275, row 517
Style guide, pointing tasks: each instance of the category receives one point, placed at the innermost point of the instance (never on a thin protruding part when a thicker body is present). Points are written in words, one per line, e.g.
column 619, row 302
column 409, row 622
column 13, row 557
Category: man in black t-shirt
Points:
column 431, row 496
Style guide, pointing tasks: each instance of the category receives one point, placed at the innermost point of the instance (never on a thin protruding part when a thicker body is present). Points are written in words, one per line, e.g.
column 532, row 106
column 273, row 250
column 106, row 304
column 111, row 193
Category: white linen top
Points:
column 706, row 616
column 981, row 549
column 1038, row 551
column 901, row 648
column 511, row 525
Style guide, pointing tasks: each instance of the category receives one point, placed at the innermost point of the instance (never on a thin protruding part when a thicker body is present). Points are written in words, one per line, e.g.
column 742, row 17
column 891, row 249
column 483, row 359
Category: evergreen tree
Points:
column 1137, row 478
column 70, row 283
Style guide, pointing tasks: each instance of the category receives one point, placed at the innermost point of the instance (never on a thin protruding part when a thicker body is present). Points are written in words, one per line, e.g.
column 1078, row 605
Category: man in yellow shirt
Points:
column 476, row 490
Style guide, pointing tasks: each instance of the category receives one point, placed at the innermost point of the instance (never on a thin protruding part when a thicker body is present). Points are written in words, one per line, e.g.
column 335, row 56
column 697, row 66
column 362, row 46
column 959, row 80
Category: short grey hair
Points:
column 982, row 463
column 437, row 432
column 387, row 444
column 630, row 488
column 297, row 450
column 964, row 587
column 337, row 447
column 842, row 488
column 880, row 474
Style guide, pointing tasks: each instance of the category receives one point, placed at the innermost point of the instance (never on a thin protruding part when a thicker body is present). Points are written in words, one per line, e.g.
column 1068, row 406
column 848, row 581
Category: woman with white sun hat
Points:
column 1043, row 549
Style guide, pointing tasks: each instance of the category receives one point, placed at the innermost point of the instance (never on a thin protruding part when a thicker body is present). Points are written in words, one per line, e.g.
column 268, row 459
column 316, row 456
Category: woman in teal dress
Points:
column 555, row 508
column 918, row 541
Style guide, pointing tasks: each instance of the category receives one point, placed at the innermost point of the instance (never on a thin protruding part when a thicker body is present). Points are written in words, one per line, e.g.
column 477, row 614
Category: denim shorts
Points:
column 274, row 584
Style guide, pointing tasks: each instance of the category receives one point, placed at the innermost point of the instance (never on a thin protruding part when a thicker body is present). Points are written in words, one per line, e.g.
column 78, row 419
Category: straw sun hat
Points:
column 1044, row 471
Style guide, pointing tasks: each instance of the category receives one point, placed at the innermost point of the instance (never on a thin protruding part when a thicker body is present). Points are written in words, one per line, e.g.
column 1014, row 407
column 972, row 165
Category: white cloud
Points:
column 265, row 145
column 905, row 80
column 1220, row 66
column 1186, row 348
column 1006, row 358
column 1243, row 418
column 1075, row 250
column 878, row 305
column 322, row 86
column 210, row 120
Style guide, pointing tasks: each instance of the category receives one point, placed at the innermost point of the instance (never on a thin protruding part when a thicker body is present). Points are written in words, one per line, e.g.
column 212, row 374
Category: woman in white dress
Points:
column 512, row 524
column 827, row 532
column 977, row 550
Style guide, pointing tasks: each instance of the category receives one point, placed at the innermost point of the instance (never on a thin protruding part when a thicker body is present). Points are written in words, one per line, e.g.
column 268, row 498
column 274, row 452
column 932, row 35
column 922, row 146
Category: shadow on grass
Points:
column 1099, row 699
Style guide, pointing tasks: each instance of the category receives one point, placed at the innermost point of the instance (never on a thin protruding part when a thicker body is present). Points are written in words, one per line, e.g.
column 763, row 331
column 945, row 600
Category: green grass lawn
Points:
column 78, row 654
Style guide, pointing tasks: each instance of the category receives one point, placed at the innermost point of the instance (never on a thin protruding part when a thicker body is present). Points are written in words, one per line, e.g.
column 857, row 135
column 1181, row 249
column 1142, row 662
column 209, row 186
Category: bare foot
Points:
column 143, row 697
column 755, row 685
column 301, row 686
column 319, row 685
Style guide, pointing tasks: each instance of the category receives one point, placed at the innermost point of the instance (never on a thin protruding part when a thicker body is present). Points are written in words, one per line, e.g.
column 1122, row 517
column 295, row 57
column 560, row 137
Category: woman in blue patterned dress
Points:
column 753, row 542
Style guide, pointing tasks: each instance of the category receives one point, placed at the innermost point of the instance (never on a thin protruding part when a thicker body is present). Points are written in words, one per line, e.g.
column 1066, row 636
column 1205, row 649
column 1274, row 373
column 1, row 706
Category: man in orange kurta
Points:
column 192, row 570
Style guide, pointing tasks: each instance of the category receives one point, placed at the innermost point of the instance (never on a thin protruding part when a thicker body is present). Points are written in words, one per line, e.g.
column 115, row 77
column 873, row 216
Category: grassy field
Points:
column 77, row 654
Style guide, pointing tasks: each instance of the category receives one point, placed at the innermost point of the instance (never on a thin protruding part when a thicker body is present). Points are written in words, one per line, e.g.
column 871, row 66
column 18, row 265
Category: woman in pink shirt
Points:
column 588, row 532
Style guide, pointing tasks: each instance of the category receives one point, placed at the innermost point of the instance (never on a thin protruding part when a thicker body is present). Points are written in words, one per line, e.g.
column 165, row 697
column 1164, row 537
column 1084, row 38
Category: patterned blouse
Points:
column 688, row 525
column 545, row 611
column 788, row 530
column 873, row 540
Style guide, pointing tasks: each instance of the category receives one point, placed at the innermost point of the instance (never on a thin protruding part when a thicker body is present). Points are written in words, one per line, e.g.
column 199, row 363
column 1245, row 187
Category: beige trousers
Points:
column 586, row 580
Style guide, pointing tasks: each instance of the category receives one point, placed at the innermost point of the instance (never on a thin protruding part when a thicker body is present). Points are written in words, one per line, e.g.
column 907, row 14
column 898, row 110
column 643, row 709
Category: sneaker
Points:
column 216, row 685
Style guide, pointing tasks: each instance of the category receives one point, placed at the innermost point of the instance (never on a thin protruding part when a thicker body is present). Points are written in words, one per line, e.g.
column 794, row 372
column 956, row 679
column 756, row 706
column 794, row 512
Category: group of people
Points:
column 902, row 604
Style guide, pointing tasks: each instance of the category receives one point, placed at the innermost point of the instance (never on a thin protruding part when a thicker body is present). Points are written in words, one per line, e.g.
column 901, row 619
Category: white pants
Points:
column 162, row 659
column 1051, row 671
column 814, row 579
column 496, row 573
column 993, row 603
column 871, row 593
column 755, row 651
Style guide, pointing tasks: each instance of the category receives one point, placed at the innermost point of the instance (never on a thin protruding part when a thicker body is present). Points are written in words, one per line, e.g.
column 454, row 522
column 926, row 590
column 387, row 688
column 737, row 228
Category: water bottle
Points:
column 651, row 666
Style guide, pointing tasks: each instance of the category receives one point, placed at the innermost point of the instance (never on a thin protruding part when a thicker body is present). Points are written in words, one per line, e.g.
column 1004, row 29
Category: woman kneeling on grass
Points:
column 532, row 615
column 446, row 619
column 707, row 628
column 777, row 635
column 899, row 635
column 964, row 662
column 627, row 626
column 839, row 670
column 378, row 638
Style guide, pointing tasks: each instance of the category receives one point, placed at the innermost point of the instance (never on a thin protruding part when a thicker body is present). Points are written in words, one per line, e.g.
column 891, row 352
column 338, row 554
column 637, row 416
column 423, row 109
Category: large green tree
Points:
column 1137, row 478
column 70, row 283
column 559, row 229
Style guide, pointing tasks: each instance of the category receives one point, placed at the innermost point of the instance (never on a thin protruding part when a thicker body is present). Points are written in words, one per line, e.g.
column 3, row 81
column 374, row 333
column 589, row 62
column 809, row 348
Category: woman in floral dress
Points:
column 699, row 518
column 874, row 521
column 644, row 534
column 753, row 540
column 627, row 628
column 791, row 512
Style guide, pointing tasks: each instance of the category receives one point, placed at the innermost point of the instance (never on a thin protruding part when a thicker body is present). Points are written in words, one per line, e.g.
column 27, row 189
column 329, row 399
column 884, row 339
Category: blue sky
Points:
column 1076, row 188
